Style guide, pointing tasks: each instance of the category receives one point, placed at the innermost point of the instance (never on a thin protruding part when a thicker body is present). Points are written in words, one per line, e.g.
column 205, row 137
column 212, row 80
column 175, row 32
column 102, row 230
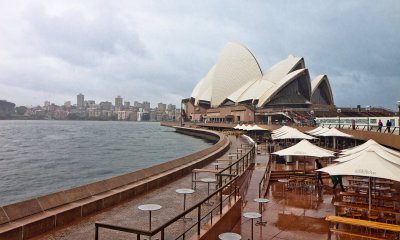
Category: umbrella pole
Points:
column 369, row 190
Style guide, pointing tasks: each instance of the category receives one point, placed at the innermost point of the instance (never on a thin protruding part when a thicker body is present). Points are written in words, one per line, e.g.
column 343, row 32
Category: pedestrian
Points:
column 388, row 125
column 338, row 180
column 380, row 124
column 319, row 177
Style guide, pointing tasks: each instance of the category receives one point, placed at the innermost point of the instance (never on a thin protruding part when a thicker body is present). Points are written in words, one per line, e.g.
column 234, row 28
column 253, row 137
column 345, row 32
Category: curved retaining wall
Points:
column 26, row 219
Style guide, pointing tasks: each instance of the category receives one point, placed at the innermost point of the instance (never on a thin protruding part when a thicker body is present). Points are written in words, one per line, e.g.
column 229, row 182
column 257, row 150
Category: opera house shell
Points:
column 237, row 79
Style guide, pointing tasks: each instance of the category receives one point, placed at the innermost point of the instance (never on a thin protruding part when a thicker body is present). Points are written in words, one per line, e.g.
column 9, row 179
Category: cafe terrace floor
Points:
column 291, row 214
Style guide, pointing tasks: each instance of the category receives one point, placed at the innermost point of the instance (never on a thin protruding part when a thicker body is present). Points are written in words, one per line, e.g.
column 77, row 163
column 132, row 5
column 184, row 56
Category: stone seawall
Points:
column 29, row 218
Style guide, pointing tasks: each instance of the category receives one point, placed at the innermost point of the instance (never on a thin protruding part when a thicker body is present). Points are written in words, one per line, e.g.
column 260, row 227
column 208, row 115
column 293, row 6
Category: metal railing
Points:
column 237, row 167
column 264, row 182
column 369, row 128
column 229, row 190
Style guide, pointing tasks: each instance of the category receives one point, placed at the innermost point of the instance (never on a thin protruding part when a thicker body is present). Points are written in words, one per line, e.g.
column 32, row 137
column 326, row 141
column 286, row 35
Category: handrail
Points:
column 232, row 183
column 161, row 228
column 239, row 165
column 265, row 179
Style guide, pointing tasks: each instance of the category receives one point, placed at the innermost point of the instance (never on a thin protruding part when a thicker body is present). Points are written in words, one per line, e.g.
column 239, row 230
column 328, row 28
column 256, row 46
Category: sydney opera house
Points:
column 237, row 89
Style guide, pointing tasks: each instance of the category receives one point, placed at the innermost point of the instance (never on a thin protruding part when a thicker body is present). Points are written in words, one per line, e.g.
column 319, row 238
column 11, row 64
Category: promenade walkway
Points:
column 128, row 214
column 289, row 215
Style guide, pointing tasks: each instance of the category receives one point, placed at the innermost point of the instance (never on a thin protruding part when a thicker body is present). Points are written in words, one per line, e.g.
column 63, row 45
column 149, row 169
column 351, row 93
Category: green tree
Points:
column 21, row 110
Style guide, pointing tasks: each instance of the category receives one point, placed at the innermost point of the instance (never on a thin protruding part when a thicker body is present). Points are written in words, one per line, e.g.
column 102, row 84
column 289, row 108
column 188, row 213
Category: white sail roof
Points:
column 235, row 67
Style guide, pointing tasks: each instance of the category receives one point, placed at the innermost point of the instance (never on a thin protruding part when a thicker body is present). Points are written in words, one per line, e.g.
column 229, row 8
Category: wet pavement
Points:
column 294, row 214
column 289, row 214
column 128, row 214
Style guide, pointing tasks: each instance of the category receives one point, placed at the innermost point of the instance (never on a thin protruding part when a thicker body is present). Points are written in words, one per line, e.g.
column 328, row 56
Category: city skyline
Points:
column 158, row 51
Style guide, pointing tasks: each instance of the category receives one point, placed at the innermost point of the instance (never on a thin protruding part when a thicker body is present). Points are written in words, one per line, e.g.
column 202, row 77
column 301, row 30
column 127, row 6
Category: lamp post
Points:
column 398, row 113
column 254, row 112
column 312, row 118
column 338, row 112
column 181, row 112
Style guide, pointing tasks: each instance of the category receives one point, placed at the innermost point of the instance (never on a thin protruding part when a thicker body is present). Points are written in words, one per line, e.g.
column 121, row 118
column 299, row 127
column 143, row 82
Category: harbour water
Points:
column 41, row 157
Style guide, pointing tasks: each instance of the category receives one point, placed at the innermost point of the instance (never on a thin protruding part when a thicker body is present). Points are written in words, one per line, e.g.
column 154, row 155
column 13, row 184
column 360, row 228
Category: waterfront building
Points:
column 146, row 105
column 161, row 107
column 80, row 100
column 137, row 104
column 124, row 115
column 6, row 108
column 67, row 105
column 143, row 116
column 118, row 101
column 237, row 89
column 105, row 105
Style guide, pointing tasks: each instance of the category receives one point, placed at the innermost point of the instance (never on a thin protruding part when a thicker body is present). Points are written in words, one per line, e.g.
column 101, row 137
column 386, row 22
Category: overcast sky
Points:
column 158, row 50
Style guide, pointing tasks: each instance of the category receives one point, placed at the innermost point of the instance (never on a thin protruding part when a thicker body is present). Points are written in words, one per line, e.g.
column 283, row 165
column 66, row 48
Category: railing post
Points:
column 235, row 192
column 163, row 236
column 220, row 202
column 198, row 220
column 96, row 236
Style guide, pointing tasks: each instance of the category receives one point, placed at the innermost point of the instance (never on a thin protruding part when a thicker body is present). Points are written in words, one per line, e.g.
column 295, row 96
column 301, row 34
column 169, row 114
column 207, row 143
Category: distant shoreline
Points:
column 46, row 119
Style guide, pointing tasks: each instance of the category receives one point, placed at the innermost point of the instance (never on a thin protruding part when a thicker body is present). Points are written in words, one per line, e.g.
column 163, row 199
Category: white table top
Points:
column 216, row 163
column 251, row 215
column 229, row 236
column 261, row 200
column 283, row 180
column 149, row 207
column 184, row 190
column 208, row 180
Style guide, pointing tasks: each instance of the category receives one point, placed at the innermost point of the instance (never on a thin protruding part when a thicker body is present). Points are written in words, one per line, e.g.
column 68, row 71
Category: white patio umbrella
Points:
column 368, row 163
column 320, row 131
column 256, row 128
column 333, row 132
column 281, row 129
column 316, row 130
column 372, row 148
column 237, row 126
column 366, row 145
column 291, row 133
column 305, row 148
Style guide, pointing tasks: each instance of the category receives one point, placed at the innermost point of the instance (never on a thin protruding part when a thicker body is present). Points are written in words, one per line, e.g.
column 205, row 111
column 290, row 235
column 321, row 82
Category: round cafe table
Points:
column 260, row 202
column 285, row 181
column 184, row 191
column 208, row 181
column 229, row 236
column 149, row 208
column 251, row 215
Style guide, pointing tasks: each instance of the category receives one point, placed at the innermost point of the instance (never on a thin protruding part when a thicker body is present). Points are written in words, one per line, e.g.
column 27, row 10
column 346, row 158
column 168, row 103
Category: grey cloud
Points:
column 81, row 40
column 158, row 51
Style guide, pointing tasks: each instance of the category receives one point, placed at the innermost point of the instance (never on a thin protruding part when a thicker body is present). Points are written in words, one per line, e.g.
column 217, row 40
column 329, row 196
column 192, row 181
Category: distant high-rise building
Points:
column 127, row 104
column 146, row 105
column 171, row 107
column 162, row 107
column 46, row 103
column 106, row 105
column 80, row 100
column 137, row 104
column 118, row 102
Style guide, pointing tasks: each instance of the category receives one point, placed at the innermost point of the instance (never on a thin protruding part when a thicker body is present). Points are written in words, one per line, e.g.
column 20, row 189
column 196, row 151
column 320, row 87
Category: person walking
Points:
column 388, row 125
column 319, row 174
column 338, row 181
column 380, row 124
